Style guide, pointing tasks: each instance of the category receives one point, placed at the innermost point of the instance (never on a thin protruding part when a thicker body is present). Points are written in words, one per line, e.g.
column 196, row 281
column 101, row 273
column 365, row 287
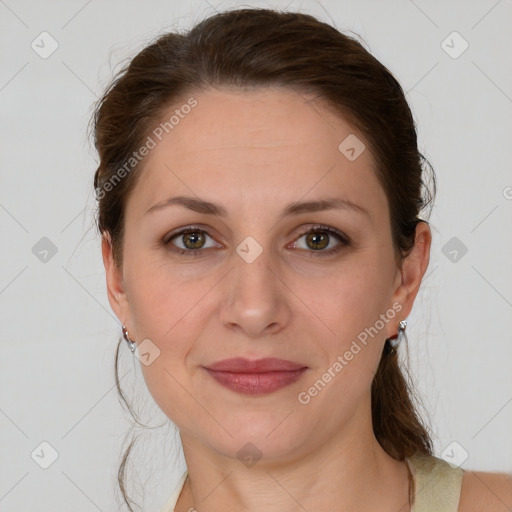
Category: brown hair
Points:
column 258, row 48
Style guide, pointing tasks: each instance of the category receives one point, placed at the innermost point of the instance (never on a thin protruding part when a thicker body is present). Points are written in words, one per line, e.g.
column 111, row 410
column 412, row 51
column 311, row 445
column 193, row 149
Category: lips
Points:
column 256, row 377
column 241, row 365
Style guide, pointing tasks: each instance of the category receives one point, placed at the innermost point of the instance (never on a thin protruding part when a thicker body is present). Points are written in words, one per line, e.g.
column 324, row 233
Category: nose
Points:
column 255, row 297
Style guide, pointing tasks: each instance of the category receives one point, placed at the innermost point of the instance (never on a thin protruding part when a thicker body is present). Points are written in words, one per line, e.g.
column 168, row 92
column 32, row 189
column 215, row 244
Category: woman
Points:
column 260, row 191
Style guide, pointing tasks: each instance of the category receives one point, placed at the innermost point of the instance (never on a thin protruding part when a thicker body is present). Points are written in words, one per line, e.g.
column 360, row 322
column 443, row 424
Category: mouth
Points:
column 255, row 377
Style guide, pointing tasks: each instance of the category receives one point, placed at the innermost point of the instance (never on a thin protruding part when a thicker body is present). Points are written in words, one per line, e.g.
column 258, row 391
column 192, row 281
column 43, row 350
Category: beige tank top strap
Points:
column 436, row 483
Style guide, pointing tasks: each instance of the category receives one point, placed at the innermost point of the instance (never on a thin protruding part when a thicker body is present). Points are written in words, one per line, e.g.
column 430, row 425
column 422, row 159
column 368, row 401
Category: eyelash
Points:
column 319, row 228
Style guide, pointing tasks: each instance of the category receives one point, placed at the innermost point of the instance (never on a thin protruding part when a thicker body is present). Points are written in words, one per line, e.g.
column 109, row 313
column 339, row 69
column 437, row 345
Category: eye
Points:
column 193, row 239
column 318, row 238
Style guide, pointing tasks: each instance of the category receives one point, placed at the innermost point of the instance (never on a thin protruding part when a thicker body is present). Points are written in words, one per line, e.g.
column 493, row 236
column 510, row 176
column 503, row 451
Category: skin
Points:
column 254, row 152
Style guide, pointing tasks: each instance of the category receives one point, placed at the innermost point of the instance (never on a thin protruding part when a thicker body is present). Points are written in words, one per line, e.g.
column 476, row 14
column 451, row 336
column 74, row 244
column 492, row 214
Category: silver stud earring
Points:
column 130, row 342
column 395, row 340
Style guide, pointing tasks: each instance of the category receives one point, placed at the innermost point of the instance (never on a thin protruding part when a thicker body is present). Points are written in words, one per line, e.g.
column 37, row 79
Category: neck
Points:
column 348, row 472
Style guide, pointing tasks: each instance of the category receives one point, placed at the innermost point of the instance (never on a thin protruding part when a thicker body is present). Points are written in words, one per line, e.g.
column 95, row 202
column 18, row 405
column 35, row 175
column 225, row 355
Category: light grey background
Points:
column 58, row 332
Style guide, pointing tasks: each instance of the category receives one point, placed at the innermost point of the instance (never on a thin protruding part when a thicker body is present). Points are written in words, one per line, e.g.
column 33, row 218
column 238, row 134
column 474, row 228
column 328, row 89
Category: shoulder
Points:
column 481, row 490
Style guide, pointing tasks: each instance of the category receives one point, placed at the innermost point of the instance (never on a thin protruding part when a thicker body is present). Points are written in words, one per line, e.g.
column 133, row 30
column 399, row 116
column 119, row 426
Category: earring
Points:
column 395, row 340
column 130, row 342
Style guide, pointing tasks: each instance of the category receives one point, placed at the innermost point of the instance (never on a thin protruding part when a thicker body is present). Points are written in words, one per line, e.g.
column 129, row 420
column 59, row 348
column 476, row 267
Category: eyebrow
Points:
column 208, row 208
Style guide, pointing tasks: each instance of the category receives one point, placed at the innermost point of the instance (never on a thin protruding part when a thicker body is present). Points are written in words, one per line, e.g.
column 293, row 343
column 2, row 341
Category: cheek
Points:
column 351, row 298
column 160, row 298
column 168, row 312
column 355, row 306
column 350, row 306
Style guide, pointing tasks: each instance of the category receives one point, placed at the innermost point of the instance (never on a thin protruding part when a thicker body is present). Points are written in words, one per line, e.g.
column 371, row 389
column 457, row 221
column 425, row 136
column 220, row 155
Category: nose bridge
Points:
column 252, row 275
column 253, row 297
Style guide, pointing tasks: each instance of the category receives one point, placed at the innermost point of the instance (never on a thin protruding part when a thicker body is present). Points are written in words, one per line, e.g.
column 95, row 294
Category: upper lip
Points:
column 242, row 365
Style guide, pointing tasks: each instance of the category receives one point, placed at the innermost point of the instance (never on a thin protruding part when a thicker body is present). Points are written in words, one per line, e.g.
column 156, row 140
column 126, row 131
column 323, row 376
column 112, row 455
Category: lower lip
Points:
column 256, row 383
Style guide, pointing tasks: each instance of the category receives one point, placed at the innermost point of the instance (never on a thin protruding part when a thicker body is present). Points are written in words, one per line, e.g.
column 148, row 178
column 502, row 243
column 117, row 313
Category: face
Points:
column 264, row 276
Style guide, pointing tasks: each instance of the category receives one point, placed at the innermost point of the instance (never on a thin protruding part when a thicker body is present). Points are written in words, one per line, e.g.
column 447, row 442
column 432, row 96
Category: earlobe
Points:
column 114, row 280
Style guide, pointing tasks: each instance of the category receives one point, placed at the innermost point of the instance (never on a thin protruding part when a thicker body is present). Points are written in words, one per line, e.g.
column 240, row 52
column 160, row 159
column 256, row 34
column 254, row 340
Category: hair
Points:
column 251, row 48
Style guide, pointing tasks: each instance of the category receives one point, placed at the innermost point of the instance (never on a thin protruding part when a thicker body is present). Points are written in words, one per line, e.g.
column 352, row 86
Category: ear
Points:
column 409, row 276
column 115, row 285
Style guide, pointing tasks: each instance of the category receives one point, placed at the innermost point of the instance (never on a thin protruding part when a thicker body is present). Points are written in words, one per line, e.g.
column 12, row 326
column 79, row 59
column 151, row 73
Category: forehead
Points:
column 260, row 118
column 254, row 142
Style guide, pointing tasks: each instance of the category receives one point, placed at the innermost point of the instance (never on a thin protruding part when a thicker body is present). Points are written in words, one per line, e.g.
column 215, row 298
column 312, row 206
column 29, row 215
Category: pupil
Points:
column 194, row 239
column 318, row 238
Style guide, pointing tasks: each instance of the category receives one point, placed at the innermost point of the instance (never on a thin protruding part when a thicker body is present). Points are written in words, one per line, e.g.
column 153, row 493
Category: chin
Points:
column 258, row 441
